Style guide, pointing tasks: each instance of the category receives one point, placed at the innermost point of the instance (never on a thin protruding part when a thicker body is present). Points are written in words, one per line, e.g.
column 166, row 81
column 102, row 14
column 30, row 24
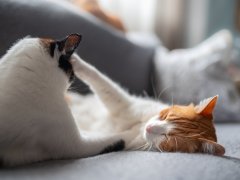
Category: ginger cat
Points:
column 150, row 124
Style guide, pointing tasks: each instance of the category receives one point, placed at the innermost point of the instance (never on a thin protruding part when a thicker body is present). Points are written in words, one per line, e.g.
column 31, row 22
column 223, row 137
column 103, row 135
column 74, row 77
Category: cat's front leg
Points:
column 111, row 94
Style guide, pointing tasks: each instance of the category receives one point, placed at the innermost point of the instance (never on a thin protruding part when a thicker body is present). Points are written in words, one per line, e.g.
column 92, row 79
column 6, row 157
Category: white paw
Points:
column 75, row 59
column 76, row 62
column 81, row 68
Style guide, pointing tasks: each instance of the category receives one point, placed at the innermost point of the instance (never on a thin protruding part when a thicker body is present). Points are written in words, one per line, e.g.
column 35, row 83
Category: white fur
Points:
column 37, row 124
column 113, row 110
column 35, row 121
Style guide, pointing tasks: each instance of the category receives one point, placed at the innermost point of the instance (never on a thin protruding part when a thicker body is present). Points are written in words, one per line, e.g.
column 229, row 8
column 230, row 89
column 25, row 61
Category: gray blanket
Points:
column 143, row 165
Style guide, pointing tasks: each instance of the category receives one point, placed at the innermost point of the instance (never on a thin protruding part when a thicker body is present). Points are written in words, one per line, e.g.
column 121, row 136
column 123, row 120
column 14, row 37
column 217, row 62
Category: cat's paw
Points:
column 76, row 62
column 79, row 65
column 81, row 68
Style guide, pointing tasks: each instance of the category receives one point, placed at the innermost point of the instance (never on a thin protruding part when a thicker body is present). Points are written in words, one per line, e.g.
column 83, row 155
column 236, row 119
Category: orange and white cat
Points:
column 150, row 124
column 37, row 124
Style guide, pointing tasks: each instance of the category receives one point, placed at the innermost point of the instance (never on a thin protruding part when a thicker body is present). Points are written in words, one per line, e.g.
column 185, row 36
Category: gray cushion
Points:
column 106, row 48
column 143, row 165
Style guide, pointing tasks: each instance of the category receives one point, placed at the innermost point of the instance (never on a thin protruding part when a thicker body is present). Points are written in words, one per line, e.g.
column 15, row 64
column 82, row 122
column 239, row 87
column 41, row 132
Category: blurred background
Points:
column 179, row 24
column 175, row 24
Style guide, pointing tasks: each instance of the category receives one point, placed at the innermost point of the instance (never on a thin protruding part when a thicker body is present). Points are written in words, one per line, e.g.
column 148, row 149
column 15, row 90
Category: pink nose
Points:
column 149, row 128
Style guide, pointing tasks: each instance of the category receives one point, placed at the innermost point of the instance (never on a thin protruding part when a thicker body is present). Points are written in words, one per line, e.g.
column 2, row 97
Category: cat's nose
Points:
column 155, row 129
column 149, row 128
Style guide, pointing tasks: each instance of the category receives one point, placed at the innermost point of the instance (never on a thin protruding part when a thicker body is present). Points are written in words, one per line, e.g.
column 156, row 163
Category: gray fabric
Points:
column 143, row 165
column 106, row 48
column 229, row 136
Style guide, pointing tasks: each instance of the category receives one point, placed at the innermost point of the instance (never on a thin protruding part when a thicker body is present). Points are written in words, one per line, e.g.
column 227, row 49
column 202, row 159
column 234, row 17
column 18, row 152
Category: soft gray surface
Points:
column 229, row 137
column 143, row 165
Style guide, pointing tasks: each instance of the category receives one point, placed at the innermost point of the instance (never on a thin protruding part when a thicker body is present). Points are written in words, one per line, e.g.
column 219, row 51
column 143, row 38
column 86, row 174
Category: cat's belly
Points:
column 91, row 115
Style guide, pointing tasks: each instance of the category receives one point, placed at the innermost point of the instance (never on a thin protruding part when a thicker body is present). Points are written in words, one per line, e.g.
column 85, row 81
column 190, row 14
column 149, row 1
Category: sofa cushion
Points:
column 142, row 165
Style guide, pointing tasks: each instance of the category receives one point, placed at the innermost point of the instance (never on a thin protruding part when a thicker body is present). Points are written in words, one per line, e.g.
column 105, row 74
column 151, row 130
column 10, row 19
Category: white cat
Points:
column 36, row 122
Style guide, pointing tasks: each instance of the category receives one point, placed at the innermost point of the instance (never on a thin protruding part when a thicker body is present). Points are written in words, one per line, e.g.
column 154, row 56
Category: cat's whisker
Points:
column 166, row 137
column 145, row 94
column 147, row 146
column 162, row 91
column 157, row 144
column 150, row 147
column 155, row 94
column 159, row 149
column 154, row 88
column 142, row 147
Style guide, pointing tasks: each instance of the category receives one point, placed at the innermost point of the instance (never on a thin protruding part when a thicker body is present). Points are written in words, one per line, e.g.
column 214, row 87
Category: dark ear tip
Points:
column 72, row 41
column 79, row 36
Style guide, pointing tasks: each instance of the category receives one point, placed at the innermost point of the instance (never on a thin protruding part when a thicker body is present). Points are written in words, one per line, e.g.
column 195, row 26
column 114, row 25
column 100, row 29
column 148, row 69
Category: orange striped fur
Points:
column 193, row 129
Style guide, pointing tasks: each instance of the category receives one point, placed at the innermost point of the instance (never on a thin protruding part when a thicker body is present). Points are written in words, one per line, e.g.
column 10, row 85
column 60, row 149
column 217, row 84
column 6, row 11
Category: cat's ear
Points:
column 211, row 147
column 206, row 106
column 69, row 44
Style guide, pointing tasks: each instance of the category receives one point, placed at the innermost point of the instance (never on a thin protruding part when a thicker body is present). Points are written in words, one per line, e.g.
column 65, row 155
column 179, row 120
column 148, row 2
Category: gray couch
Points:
column 131, row 66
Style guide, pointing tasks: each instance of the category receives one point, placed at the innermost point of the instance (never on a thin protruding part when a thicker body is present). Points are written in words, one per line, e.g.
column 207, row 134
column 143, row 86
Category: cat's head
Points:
column 47, row 56
column 61, row 50
column 185, row 129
